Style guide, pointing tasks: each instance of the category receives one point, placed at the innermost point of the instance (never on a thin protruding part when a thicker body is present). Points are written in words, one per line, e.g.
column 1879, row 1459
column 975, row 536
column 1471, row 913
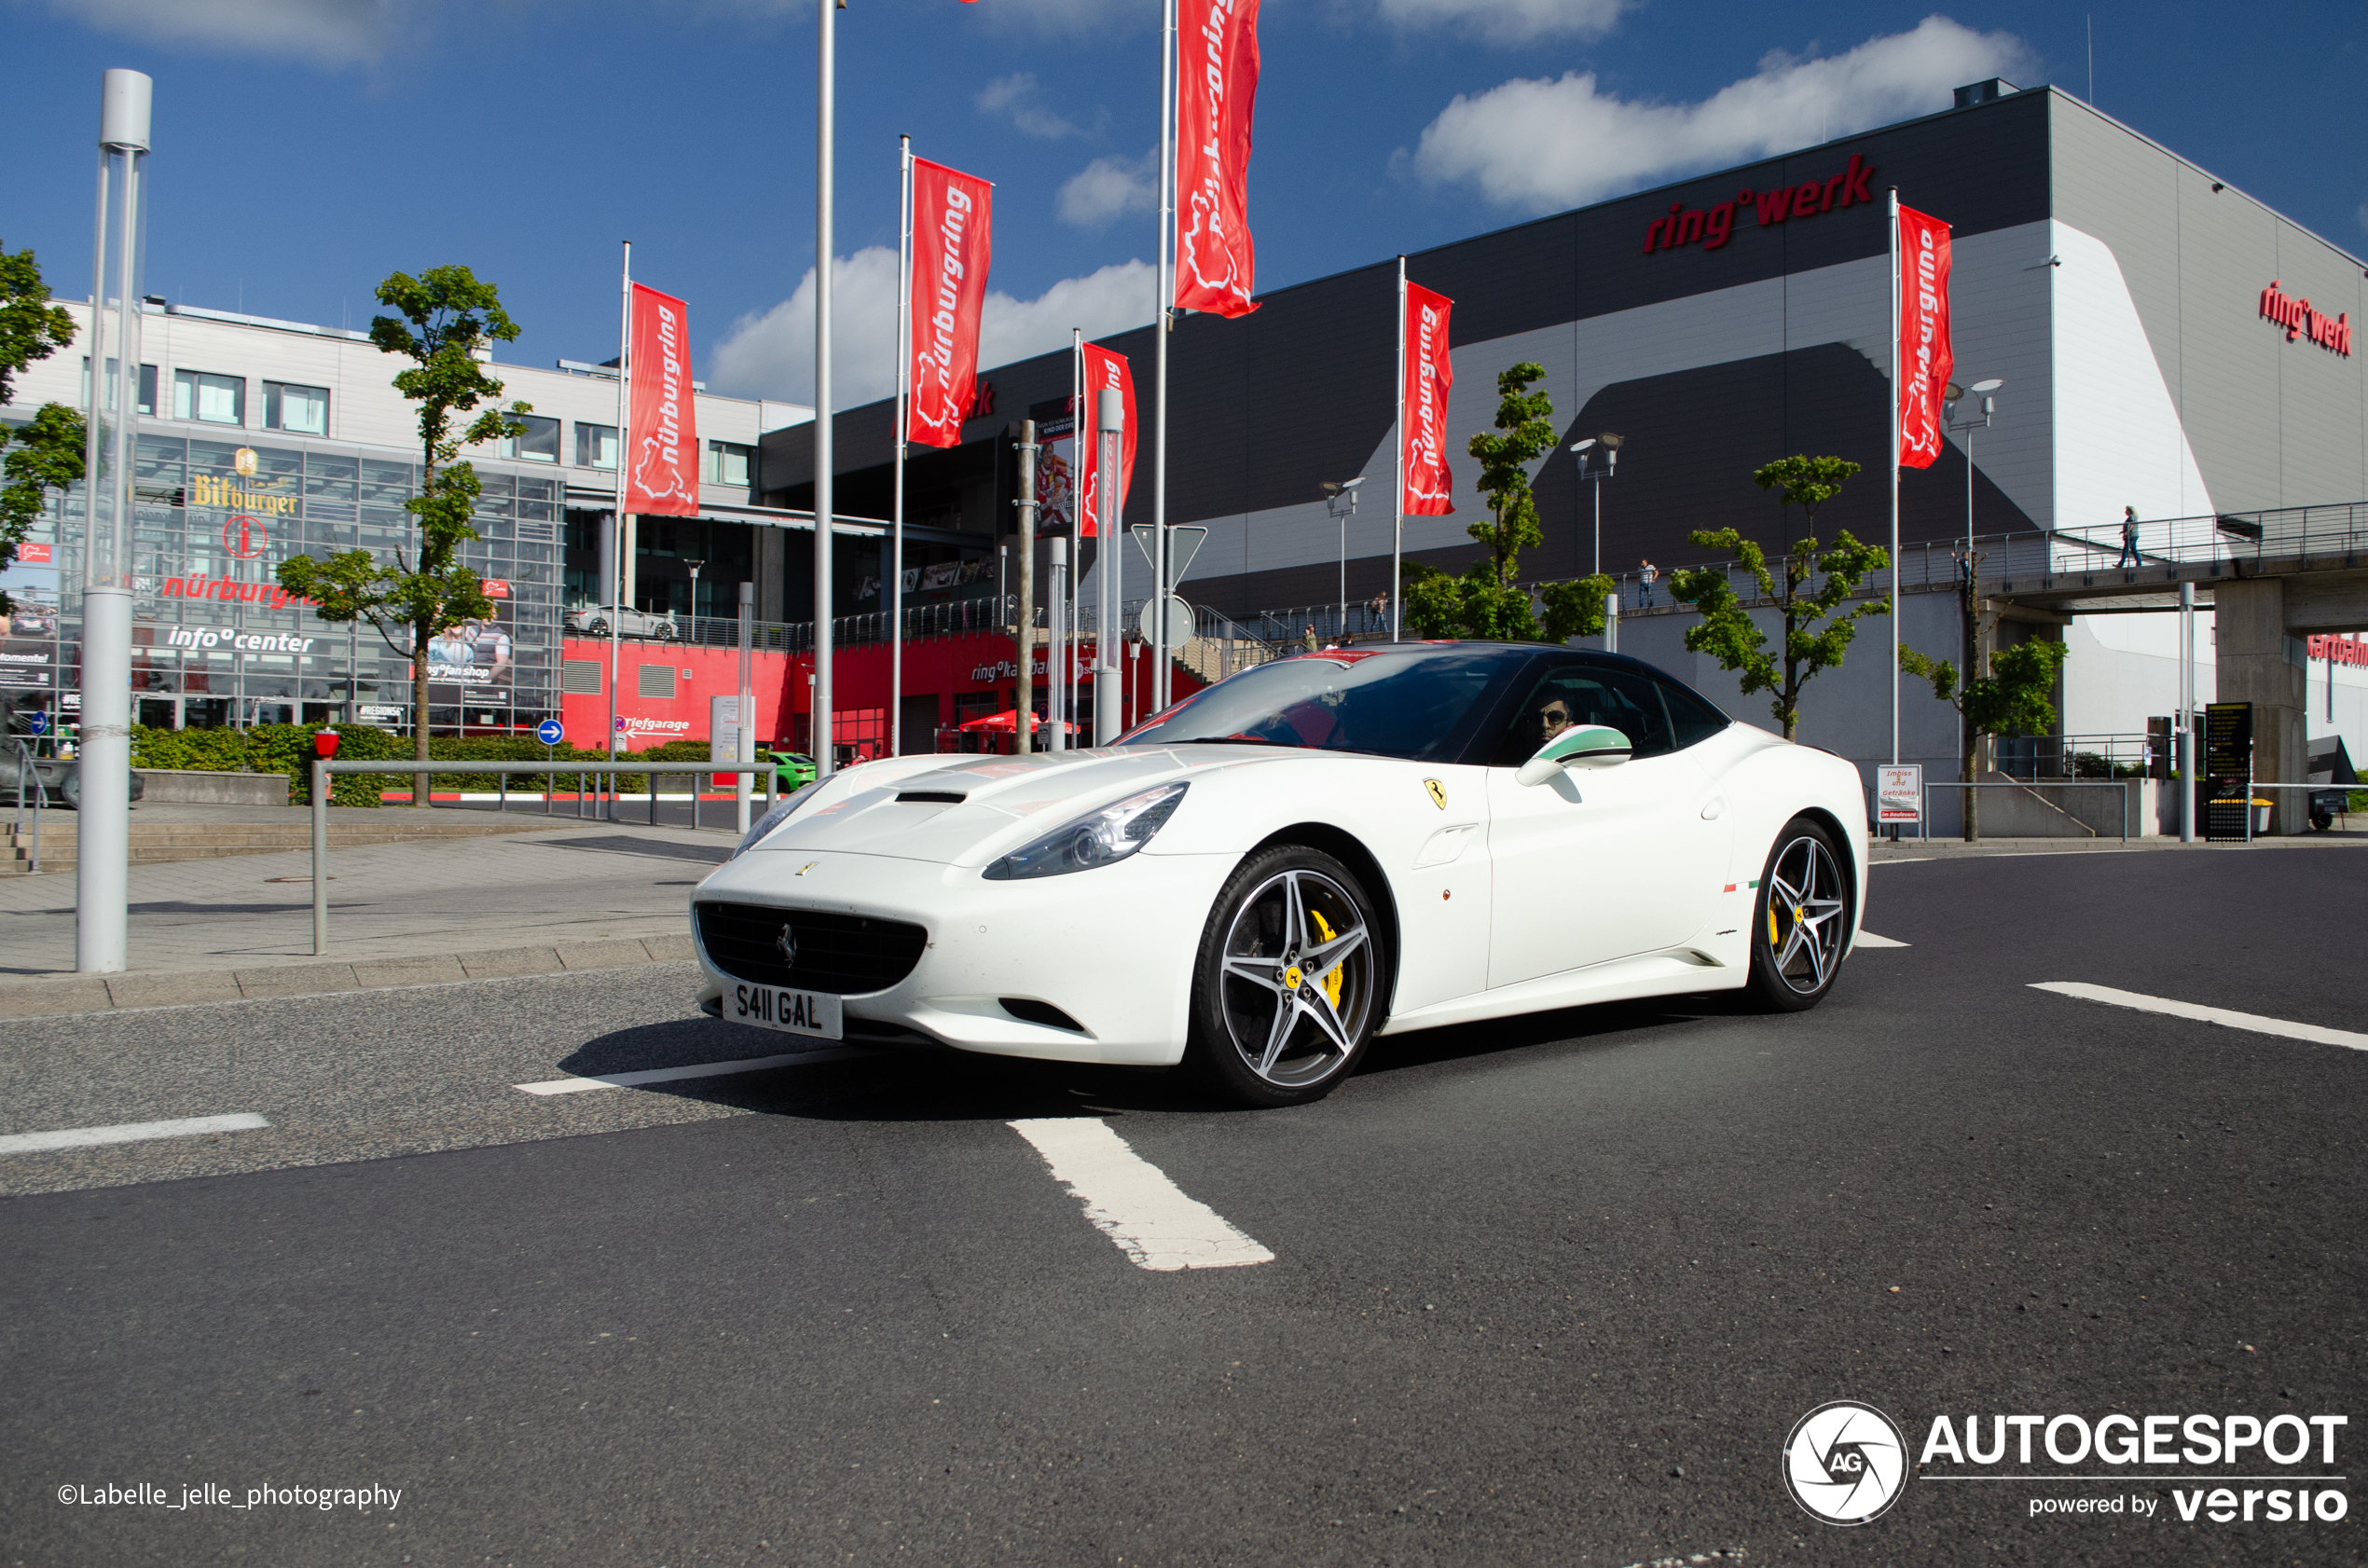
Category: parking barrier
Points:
column 322, row 769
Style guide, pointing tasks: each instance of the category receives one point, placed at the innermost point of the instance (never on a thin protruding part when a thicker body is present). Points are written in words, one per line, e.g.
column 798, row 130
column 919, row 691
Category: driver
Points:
column 1553, row 716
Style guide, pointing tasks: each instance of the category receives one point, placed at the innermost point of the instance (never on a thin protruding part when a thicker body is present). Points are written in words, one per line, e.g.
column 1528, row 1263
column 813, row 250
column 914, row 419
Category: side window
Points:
column 1584, row 694
column 1692, row 719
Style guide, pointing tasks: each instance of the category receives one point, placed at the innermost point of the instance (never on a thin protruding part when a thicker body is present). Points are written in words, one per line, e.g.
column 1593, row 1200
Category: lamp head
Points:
column 1951, row 392
column 1614, row 442
column 1584, row 445
column 1986, row 387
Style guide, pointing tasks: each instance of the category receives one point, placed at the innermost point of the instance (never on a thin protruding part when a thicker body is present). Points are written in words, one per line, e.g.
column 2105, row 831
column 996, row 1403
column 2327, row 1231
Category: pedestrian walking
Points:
column 1313, row 643
column 2128, row 537
column 1648, row 576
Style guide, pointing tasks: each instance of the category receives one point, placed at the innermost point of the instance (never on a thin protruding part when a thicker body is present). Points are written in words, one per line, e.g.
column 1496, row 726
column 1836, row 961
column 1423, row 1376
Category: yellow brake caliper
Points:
column 1331, row 980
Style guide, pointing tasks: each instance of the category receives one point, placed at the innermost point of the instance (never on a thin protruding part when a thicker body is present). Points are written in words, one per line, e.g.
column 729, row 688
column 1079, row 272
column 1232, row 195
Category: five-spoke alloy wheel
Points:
column 1287, row 987
column 1802, row 920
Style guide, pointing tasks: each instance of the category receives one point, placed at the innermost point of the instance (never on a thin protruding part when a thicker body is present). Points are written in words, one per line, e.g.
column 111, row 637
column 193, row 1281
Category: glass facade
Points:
column 217, row 642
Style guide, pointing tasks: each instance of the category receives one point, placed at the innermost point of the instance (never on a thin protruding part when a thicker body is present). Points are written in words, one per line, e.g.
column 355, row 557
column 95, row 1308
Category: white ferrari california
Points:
column 1264, row 877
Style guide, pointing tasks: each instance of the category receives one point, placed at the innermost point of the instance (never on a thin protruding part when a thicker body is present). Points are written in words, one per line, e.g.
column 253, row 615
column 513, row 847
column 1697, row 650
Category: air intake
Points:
column 928, row 797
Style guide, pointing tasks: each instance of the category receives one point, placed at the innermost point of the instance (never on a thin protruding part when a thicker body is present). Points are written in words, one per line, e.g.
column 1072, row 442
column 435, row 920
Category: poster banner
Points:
column 952, row 214
column 1899, row 793
column 1104, row 371
column 475, row 655
column 1925, row 359
column 663, row 438
column 1430, row 376
column 1216, row 87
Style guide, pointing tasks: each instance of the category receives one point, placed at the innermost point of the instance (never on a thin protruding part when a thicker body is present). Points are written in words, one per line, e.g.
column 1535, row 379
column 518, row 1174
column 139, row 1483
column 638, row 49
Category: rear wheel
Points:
column 1286, row 991
column 1801, row 921
column 72, row 790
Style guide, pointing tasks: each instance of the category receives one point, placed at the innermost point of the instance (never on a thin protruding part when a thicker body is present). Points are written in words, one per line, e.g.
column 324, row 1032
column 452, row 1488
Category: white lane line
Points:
column 670, row 1075
column 1868, row 938
column 2314, row 1033
column 129, row 1131
column 1132, row 1202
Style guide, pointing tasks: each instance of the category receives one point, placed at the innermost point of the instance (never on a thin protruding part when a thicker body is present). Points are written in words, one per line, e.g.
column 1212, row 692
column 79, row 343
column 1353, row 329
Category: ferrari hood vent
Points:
column 928, row 797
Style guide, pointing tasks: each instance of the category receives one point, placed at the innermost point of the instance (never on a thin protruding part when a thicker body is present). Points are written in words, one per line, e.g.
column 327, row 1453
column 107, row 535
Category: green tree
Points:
column 1814, row 588
column 2012, row 699
column 1487, row 601
column 445, row 317
column 50, row 446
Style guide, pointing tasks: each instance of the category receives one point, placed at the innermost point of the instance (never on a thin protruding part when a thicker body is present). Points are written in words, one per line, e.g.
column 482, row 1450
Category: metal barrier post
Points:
column 502, row 790
column 320, row 856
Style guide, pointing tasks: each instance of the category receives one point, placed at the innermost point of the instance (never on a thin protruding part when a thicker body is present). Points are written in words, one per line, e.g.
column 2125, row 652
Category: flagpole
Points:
column 1162, row 326
column 1397, row 496
column 826, row 69
column 1077, row 525
column 614, row 587
column 1895, row 369
column 896, row 510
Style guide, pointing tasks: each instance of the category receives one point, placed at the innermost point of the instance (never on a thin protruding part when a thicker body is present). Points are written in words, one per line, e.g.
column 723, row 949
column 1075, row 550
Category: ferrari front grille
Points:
column 846, row 955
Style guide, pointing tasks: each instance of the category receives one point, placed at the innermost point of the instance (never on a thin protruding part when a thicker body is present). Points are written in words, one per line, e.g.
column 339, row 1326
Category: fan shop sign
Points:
column 1712, row 226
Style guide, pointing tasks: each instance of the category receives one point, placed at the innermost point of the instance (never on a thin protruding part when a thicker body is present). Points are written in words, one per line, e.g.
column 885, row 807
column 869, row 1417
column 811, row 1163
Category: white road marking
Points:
column 2316, row 1034
column 1868, row 938
column 129, row 1131
column 669, row 1075
column 1132, row 1202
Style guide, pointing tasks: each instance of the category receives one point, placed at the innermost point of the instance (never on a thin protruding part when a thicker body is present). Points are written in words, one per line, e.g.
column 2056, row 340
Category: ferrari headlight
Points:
column 1097, row 839
column 773, row 819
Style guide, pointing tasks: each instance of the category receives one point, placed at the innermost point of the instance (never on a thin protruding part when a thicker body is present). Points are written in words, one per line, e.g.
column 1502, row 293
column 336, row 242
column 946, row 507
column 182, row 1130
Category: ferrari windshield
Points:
column 1419, row 703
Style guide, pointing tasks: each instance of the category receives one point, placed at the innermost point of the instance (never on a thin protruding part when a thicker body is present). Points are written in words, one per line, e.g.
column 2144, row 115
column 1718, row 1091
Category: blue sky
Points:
column 307, row 147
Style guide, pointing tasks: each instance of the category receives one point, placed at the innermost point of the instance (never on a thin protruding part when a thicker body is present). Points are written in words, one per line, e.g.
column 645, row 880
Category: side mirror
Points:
column 1580, row 746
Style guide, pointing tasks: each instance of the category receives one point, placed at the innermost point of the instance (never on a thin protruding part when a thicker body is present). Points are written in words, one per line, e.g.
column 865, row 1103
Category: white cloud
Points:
column 770, row 353
column 1109, row 189
column 1544, row 144
column 1507, row 22
column 324, row 32
column 1018, row 96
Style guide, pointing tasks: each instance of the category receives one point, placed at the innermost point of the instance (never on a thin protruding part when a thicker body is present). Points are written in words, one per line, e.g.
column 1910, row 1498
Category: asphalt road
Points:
column 1553, row 1291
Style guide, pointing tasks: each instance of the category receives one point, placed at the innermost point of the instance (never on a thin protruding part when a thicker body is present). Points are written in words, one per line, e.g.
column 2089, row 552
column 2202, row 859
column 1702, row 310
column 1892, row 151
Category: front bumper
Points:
column 1114, row 948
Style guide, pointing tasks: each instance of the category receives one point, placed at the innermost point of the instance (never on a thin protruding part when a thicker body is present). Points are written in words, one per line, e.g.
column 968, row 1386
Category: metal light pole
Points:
column 1339, row 502
column 1109, row 676
column 1952, row 397
column 693, row 563
column 826, row 71
column 102, row 870
column 2186, row 730
column 1023, row 687
column 1611, row 443
column 743, row 713
column 1056, row 561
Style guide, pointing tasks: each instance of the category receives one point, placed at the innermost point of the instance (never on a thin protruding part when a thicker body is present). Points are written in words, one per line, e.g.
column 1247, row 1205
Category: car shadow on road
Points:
column 919, row 1083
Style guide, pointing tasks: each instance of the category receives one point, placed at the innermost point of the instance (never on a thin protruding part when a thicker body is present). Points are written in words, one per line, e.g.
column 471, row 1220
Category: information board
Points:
column 1899, row 793
column 2229, row 771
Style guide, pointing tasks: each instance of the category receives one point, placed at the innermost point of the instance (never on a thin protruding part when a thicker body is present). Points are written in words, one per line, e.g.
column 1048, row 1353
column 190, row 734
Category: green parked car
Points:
column 792, row 770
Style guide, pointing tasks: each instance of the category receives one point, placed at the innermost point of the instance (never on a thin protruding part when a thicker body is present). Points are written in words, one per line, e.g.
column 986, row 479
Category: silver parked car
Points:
column 594, row 620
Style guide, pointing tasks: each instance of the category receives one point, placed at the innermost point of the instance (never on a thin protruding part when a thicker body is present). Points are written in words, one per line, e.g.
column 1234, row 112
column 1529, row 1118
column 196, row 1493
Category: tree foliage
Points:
column 2012, row 699
column 445, row 318
column 1488, row 602
column 48, row 454
column 1813, row 589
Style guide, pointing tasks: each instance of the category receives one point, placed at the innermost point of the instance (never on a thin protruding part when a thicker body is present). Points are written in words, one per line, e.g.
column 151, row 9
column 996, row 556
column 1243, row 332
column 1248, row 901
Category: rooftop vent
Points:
column 1990, row 92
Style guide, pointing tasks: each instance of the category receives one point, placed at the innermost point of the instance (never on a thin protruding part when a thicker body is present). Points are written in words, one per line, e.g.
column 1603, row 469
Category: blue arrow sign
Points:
column 38, row 721
column 549, row 731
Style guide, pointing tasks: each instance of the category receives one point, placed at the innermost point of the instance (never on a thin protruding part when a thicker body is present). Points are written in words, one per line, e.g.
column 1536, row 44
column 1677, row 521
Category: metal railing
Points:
column 1924, row 805
column 322, row 771
column 27, row 771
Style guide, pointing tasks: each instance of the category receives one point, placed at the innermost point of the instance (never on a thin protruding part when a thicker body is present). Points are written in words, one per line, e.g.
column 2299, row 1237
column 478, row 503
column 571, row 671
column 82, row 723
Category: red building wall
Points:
column 979, row 668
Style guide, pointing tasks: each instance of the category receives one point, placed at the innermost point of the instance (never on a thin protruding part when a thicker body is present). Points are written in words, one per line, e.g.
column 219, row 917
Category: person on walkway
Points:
column 2128, row 537
column 1313, row 644
column 1648, row 576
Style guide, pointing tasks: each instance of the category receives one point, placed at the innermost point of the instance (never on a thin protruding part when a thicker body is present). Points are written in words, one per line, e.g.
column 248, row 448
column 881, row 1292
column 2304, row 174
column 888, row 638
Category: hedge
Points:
column 288, row 748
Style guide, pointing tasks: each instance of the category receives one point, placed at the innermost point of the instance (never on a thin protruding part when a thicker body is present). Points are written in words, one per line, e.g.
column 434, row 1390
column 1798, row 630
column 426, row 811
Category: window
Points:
column 595, row 446
column 1588, row 695
column 1691, row 717
column 728, row 463
column 539, row 444
column 302, row 410
column 214, row 399
column 147, row 385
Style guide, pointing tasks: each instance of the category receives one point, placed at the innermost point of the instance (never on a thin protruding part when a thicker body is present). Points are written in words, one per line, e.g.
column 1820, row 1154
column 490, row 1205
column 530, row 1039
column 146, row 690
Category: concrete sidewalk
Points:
column 1884, row 849
column 524, row 902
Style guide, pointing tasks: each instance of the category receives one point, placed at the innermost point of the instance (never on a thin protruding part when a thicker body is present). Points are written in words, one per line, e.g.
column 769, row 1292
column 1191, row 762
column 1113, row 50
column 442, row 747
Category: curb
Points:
column 49, row 996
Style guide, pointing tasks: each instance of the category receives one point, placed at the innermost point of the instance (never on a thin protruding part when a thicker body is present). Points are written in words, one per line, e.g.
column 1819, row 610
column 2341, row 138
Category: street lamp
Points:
column 694, row 562
column 1339, row 502
column 1953, row 399
column 1599, row 472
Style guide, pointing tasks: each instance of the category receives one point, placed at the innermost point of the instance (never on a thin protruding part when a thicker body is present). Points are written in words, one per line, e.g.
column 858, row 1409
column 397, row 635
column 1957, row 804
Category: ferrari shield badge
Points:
column 1438, row 793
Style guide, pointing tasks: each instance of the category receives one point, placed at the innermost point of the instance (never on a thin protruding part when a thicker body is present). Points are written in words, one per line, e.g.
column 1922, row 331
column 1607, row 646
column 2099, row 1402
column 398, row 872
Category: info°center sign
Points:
column 2229, row 771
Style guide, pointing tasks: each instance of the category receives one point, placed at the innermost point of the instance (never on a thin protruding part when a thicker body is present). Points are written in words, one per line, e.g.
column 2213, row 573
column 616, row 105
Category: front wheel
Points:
column 666, row 631
column 1802, row 920
column 598, row 629
column 1287, row 989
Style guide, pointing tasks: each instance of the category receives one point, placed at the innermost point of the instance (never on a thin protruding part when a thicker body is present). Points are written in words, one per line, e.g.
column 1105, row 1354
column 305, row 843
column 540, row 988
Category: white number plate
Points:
column 792, row 1012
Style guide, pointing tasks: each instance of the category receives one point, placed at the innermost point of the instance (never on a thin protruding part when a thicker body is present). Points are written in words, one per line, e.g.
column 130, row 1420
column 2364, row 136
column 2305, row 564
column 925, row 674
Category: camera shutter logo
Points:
column 1845, row 1462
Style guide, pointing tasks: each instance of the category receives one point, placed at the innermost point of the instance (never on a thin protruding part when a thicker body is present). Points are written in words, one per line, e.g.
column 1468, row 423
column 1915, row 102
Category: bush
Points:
column 288, row 748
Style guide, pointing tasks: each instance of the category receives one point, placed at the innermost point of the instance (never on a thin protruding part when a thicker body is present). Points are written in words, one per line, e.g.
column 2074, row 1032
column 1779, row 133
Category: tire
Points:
column 1270, row 1027
column 71, row 789
column 666, row 631
column 1801, row 920
column 598, row 629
